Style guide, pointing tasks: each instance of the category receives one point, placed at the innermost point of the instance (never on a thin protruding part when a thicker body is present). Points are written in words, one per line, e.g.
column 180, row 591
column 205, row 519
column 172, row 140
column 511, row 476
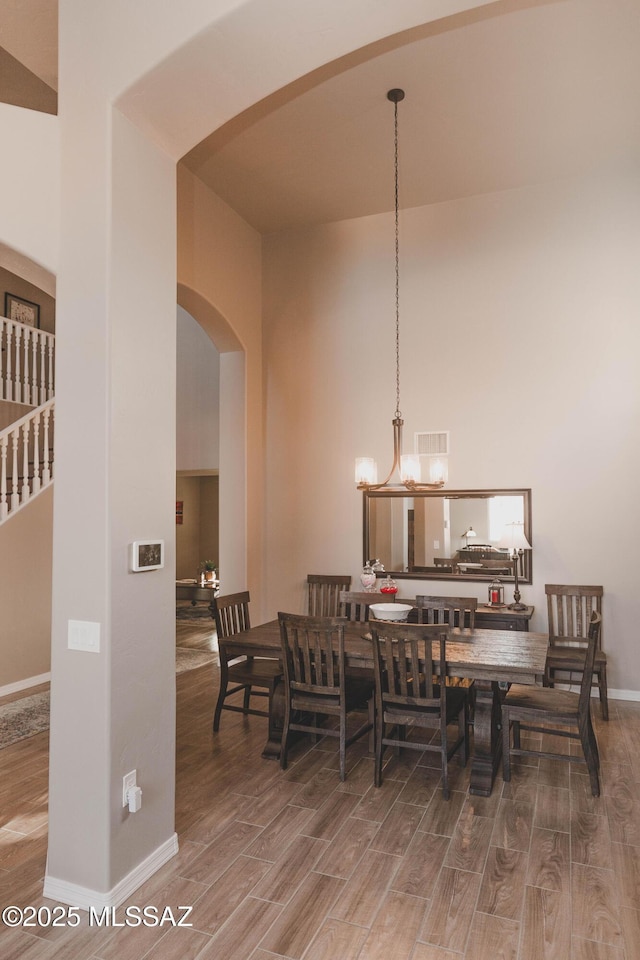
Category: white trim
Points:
column 84, row 898
column 24, row 684
column 624, row 695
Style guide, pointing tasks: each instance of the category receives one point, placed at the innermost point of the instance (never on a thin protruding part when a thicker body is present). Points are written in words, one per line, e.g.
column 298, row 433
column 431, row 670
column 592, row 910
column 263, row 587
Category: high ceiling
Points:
column 516, row 92
column 513, row 93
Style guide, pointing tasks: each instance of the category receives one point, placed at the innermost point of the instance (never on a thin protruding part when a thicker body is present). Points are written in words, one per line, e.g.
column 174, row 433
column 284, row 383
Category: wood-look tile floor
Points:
column 297, row 865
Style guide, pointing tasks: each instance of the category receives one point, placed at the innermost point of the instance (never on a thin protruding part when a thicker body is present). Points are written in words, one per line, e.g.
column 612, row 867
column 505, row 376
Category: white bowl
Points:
column 391, row 611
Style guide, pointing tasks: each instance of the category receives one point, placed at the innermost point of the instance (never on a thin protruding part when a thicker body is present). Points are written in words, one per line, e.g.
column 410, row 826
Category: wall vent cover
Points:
column 433, row 444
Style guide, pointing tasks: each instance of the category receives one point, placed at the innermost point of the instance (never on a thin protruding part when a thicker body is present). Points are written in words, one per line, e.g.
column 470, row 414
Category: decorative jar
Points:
column 389, row 586
column 368, row 578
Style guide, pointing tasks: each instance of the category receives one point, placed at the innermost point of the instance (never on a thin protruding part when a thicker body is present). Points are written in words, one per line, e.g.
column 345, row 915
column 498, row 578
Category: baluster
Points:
column 34, row 367
column 50, row 381
column 43, row 381
column 26, row 392
column 26, row 493
column 35, row 485
column 46, row 474
column 15, row 498
column 9, row 371
column 17, row 393
column 4, row 506
column 3, row 330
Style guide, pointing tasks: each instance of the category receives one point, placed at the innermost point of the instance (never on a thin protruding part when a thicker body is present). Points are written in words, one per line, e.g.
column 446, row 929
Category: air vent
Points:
column 434, row 444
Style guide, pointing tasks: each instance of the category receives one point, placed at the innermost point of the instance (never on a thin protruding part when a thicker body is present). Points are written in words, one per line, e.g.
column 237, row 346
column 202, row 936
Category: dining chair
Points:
column 452, row 610
column 355, row 605
column 526, row 707
column 324, row 593
column 569, row 609
column 315, row 682
column 406, row 657
column 456, row 611
column 256, row 676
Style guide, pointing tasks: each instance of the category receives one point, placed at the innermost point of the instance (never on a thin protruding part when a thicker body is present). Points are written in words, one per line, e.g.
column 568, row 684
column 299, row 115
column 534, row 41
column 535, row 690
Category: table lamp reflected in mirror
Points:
column 514, row 539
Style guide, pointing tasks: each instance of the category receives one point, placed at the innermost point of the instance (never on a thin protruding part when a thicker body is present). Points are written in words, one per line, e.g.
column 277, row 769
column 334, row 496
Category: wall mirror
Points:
column 446, row 534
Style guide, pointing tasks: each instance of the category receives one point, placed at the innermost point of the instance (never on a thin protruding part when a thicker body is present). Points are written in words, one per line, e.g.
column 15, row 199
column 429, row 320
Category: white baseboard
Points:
column 24, row 684
column 624, row 695
column 84, row 898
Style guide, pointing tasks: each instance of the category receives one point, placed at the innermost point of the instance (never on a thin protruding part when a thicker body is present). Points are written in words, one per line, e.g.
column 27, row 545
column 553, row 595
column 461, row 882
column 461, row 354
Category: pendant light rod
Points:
column 408, row 482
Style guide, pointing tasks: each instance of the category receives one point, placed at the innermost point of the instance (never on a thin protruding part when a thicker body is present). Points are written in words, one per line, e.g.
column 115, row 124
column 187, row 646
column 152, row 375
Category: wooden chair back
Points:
column 593, row 644
column 449, row 610
column 355, row 606
column 324, row 593
column 569, row 610
column 406, row 657
column 231, row 613
column 313, row 654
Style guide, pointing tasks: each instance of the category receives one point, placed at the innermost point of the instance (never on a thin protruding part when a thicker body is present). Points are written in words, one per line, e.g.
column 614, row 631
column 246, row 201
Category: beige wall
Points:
column 219, row 259
column 197, row 535
column 525, row 305
column 25, row 591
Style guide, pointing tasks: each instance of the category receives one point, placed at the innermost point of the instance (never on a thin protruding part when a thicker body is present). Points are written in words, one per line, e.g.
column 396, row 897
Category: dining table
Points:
column 491, row 658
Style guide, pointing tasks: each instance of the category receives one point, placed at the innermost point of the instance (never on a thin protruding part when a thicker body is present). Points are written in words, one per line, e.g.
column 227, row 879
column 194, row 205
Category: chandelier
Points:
column 405, row 471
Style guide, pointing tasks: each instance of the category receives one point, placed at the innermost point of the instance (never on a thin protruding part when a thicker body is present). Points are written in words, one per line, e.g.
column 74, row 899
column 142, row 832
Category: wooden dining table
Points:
column 492, row 658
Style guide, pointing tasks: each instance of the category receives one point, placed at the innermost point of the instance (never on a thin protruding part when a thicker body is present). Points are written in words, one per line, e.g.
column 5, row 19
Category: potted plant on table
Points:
column 208, row 570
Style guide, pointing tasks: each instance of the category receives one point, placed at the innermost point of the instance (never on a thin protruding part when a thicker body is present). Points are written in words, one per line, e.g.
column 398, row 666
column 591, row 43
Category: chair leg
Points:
column 285, row 734
column 593, row 741
column 591, row 760
column 343, row 745
column 602, row 686
column 246, row 698
column 221, row 697
column 371, row 711
column 377, row 769
column 445, row 769
column 506, row 745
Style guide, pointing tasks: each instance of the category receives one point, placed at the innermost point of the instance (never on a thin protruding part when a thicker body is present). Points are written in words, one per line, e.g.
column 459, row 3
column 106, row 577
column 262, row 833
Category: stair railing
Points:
column 26, row 363
column 26, row 458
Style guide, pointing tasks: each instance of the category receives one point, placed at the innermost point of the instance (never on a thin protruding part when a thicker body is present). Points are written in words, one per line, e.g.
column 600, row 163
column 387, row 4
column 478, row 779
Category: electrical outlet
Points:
column 128, row 781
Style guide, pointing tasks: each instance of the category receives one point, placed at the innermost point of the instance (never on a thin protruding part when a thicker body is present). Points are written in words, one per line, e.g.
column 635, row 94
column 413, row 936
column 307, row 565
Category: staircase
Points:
column 27, row 359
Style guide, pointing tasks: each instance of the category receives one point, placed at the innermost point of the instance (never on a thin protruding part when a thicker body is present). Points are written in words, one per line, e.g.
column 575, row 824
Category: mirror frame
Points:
column 527, row 560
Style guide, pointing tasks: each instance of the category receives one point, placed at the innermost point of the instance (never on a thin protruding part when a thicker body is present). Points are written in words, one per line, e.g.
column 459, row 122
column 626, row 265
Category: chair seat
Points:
column 255, row 671
column 557, row 703
column 421, row 716
column 357, row 694
column 564, row 656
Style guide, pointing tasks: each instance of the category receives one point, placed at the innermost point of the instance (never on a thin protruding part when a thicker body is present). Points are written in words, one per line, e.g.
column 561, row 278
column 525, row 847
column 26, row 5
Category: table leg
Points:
column 487, row 740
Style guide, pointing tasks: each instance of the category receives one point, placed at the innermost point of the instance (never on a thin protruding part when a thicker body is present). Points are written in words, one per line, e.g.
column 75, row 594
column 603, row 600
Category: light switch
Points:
column 84, row 635
column 436, row 544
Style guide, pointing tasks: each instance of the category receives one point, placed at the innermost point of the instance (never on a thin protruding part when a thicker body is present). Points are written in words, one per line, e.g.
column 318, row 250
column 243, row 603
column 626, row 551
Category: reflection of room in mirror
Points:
column 427, row 534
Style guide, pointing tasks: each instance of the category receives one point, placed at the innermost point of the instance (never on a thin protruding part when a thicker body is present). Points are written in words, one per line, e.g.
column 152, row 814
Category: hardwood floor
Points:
column 298, row 865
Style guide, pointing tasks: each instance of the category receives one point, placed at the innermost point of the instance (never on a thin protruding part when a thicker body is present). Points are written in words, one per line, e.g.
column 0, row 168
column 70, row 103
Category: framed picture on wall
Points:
column 24, row 311
column 147, row 555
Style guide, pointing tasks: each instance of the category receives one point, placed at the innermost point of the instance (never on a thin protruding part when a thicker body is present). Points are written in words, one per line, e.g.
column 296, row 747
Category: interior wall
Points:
column 25, row 591
column 525, row 304
column 197, row 535
column 219, row 257
column 30, row 185
column 197, row 397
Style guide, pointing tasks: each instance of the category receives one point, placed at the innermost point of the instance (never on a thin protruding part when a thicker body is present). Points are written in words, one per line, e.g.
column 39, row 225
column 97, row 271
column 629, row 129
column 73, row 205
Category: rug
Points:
column 191, row 659
column 24, row 718
column 28, row 716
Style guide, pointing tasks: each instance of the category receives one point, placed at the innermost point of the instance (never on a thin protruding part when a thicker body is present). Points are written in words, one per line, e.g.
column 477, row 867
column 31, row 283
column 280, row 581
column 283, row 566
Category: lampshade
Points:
column 469, row 533
column 513, row 537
